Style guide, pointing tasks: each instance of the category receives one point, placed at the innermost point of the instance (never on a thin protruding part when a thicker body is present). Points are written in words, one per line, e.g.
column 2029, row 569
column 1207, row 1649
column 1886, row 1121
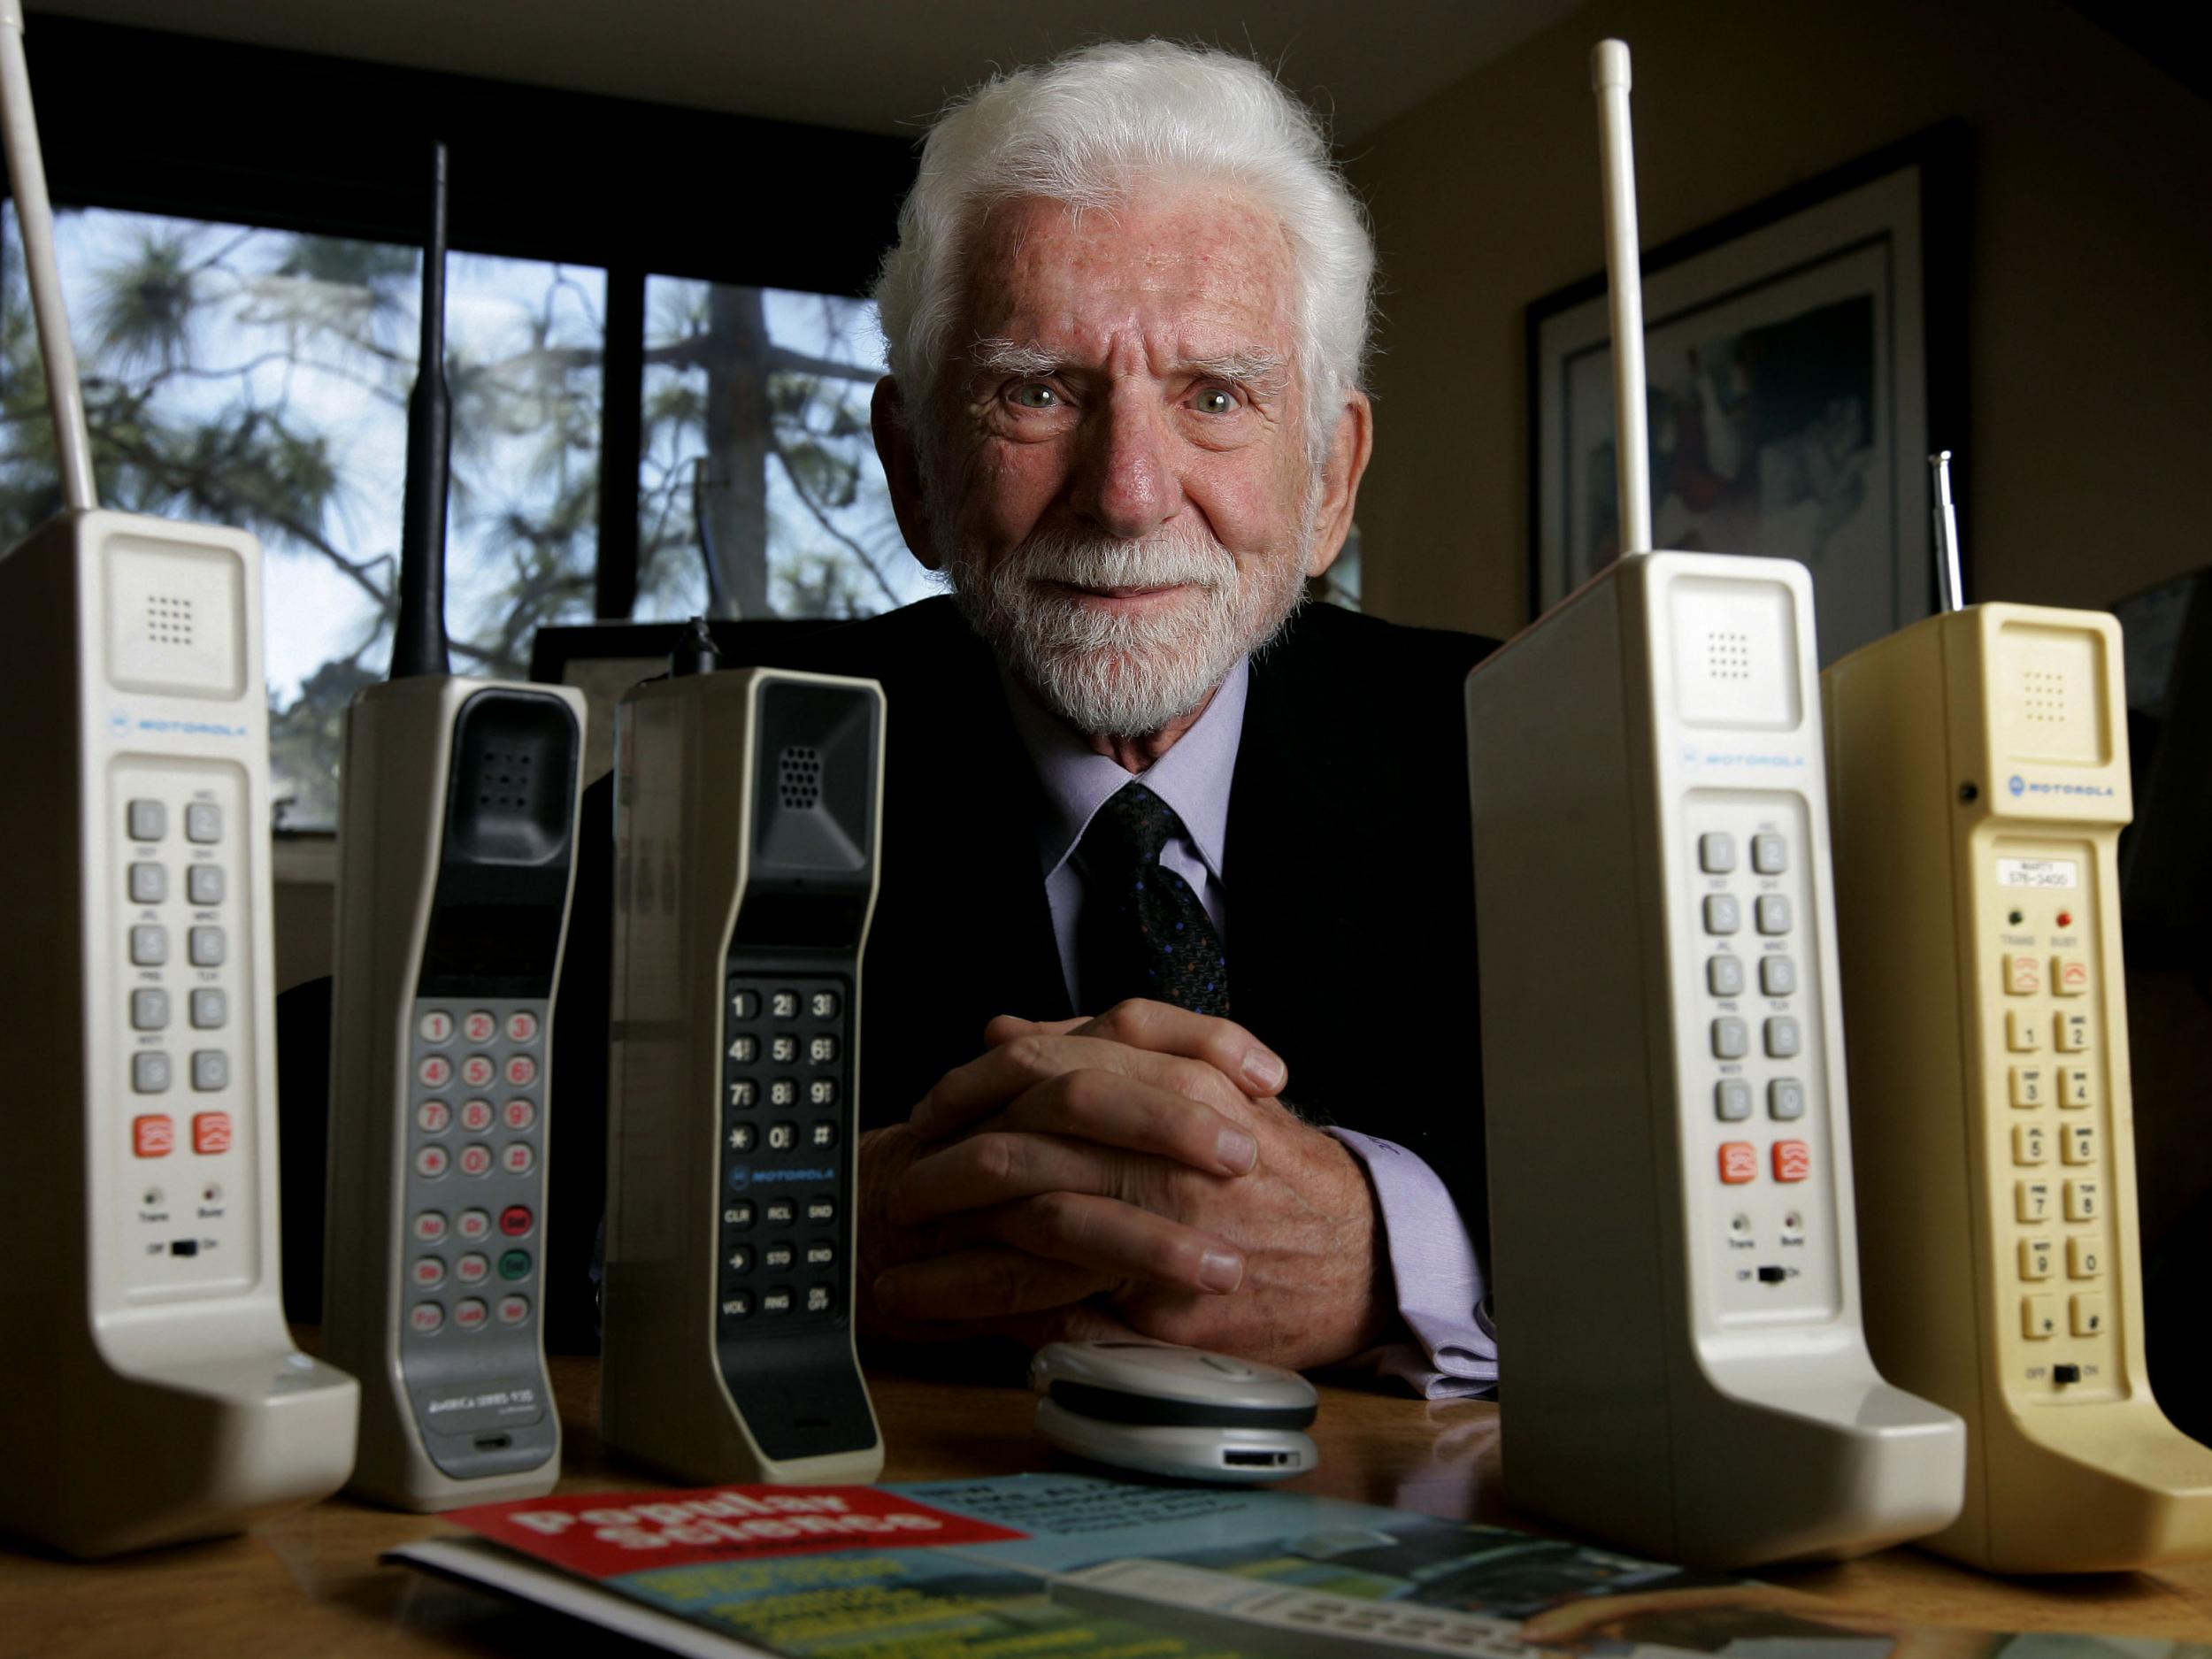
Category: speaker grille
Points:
column 169, row 619
column 1727, row 654
column 799, row 778
column 503, row 778
column 2043, row 697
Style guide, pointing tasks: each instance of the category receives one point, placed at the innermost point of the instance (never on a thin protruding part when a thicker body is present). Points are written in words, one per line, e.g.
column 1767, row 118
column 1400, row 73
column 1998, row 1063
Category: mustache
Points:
column 1167, row 559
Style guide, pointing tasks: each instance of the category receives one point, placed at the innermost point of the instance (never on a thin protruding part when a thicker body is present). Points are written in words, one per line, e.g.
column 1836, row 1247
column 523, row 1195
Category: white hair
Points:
column 1090, row 128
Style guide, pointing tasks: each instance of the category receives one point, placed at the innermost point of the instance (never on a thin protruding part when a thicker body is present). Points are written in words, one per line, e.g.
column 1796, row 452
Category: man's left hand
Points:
column 1028, row 1171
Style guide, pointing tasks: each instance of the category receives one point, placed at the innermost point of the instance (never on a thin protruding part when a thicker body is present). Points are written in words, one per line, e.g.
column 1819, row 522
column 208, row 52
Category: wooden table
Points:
column 309, row 1584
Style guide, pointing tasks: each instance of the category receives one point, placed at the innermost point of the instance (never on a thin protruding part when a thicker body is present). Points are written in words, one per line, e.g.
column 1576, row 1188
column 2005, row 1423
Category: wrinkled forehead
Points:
column 1180, row 271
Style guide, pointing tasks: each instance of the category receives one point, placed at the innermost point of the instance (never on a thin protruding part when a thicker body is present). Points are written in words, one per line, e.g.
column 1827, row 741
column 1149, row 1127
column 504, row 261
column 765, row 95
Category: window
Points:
column 260, row 377
column 760, row 492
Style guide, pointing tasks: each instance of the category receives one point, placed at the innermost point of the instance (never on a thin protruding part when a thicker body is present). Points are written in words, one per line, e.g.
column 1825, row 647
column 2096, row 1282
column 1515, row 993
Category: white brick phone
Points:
column 1670, row 1154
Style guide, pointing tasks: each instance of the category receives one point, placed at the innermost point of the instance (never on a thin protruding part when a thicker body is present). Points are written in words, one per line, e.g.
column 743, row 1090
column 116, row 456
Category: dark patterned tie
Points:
column 1143, row 932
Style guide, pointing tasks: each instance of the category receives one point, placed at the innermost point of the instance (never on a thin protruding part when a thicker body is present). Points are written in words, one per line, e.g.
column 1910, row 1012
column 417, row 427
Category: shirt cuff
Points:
column 1442, row 1297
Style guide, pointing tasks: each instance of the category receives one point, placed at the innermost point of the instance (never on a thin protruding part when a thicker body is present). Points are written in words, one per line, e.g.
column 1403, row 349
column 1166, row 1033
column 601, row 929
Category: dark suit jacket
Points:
column 1349, row 876
column 1349, row 873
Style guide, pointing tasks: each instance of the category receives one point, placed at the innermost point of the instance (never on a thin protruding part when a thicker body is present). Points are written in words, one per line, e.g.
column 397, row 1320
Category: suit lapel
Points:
column 1306, row 840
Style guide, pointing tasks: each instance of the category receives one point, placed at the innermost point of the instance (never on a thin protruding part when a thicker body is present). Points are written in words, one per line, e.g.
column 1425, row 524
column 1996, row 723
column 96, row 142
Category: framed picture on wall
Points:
column 1802, row 356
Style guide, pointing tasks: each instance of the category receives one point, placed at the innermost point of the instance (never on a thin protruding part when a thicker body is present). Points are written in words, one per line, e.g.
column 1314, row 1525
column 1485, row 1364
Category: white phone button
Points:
column 521, row 1115
column 430, row 1226
column 513, row 1309
column 1722, row 914
column 472, row 1269
column 431, row 1162
column 149, row 1009
column 1783, row 1037
column 204, row 884
column 210, row 1009
column 517, row 1158
column 151, row 1073
column 1786, row 1100
column 522, row 1026
column 426, row 1316
column 478, row 1026
column 435, row 1026
column 205, row 946
column 471, row 1315
column 478, row 1071
column 1774, row 913
column 434, row 1117
column 149, row 884
column 1731, row 1100
column 211, row 1070
column 149, row 820
column 1716, row 853
column 428, row 1273
column 1723, row 975
column 1778, row 976
column 474, row 1224
column 1731, row 1039
column 475, row 1160
column 1770, row 855
column 149, row 945
column 203, row 823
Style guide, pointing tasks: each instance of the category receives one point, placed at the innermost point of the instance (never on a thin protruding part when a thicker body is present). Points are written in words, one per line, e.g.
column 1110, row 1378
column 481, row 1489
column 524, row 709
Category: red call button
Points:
column 154, row 1137
column 1792, row 1161
column 1739, row 1163
column 210, row 1132
column 515, row 1220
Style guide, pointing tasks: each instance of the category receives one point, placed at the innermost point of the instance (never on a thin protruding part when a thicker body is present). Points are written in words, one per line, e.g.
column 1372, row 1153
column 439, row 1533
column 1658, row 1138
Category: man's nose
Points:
column 1125, row 481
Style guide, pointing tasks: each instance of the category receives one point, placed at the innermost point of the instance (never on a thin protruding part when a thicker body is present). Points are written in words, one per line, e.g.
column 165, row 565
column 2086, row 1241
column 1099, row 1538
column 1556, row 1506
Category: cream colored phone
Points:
column 152, row 1393
column 748, row 811
column 1980, row 774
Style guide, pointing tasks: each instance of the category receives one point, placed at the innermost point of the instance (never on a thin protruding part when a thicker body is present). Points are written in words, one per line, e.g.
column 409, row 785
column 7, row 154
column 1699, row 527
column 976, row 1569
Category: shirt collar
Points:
column 1192, row 778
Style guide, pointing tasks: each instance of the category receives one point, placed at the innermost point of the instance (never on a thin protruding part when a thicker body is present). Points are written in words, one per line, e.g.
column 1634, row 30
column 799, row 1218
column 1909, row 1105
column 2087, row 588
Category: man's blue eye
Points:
column 1034, row 395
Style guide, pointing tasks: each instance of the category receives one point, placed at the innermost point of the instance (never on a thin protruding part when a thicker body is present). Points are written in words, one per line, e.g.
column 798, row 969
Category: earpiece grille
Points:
column 503, row 777
column 2043, row 695
column 799, row 778
column 168, row 619
column 1727, row 654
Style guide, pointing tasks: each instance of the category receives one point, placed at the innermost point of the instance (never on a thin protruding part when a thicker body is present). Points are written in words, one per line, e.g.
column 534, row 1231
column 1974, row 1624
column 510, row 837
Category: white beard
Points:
column 1120, row 676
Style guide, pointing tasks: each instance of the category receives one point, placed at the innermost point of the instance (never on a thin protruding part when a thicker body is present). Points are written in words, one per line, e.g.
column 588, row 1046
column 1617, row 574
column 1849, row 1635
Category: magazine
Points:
column 1078, row 1567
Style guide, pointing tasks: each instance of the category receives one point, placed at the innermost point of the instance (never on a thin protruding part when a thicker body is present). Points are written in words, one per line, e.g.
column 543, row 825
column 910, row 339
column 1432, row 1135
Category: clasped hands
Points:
column 1135, row 1173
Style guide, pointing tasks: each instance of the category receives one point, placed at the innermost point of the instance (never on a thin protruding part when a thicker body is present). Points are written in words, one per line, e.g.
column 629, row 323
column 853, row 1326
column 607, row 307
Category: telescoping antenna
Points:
column 1950, row 585
column 26, row 178
column 419, row 641
column 1609, row 80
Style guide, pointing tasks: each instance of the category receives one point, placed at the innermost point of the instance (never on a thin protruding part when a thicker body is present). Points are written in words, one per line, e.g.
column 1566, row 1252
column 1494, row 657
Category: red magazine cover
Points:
column 604, row 1536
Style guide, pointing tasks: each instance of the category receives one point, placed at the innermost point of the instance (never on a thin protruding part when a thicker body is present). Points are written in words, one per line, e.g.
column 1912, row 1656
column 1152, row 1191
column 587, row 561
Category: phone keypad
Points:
column 786, row 1044
column 475, row 1127
column 184, row 1111
column 1761, row 1046
column 2050, row 1148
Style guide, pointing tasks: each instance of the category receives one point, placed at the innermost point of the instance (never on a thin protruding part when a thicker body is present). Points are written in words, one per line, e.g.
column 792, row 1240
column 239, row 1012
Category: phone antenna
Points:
column 1950, row 583
column 26, row 178
column 1609, row 80
column 419, row 643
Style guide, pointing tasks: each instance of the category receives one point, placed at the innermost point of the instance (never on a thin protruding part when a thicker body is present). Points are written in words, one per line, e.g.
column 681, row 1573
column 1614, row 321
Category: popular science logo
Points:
column 2020, row 786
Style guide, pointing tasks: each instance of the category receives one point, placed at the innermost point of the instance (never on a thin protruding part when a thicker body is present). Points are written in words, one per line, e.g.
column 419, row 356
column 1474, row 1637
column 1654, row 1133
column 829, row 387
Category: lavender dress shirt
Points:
column 1449, row 1346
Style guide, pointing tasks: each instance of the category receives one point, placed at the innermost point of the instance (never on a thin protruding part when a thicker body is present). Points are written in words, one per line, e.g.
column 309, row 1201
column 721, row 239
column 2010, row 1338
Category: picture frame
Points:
column 1804, row 356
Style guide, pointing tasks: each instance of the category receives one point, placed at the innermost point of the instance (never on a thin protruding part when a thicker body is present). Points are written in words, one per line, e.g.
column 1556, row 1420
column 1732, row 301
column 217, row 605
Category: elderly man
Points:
column 1173, row 870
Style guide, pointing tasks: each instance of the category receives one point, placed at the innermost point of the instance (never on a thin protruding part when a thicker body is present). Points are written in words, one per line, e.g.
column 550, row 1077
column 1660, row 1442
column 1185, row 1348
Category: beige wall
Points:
column 2090, row 339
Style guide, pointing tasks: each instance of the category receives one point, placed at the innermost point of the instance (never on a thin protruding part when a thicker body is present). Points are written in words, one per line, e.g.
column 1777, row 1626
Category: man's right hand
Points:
column 1040, row 1098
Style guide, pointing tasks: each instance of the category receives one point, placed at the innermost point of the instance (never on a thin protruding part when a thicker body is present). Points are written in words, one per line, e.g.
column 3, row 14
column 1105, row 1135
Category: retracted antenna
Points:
column 1616, row 157
column 27, row 177
column 1950, row 585
column 419, row 645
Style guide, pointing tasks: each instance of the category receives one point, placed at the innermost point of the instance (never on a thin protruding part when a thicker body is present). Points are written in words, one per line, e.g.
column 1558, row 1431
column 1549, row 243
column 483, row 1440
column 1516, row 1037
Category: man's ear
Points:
column 1346, row 464
column 902, row 468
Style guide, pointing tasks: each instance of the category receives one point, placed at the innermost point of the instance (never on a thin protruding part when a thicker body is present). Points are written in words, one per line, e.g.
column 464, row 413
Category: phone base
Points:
column 114, row 1462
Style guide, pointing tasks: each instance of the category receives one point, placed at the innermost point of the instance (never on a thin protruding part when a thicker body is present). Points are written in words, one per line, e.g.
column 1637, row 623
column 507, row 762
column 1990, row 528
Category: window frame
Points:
column 535, row 173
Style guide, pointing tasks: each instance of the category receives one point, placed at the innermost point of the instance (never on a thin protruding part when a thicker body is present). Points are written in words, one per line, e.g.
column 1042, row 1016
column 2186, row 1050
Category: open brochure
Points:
column 1074, row 1567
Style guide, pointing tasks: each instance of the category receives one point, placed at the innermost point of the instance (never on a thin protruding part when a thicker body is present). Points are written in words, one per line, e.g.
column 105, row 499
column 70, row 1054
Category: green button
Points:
column 515, row 1264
